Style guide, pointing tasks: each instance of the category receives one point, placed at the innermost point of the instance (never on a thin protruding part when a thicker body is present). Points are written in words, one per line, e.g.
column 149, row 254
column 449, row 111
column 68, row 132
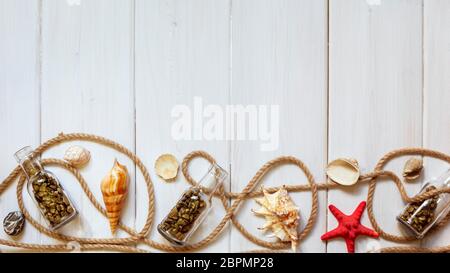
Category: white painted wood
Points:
column 19, row 98
column 279, row 58
column 375, row 99
column 436, row 94
column 117, row 68
column 87, row 86
column 182, row 51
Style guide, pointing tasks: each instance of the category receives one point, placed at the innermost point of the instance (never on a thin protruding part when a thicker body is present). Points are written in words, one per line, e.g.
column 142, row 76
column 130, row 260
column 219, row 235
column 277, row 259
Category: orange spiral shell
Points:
column 114, row 190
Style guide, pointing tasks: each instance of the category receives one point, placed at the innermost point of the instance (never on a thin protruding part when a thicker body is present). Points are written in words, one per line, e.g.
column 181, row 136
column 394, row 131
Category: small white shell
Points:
column 413, row 168
column 343, row 171
column 77, row 156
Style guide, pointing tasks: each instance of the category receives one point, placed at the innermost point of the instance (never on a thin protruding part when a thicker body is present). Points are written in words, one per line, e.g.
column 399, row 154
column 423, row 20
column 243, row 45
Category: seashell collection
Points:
column 281, row 214
column 421, row 216
column 53, row 201
column 183, row 216
column 45, row 190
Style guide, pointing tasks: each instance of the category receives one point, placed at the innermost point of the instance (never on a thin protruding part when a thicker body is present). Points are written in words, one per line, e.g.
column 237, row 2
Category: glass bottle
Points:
column 45, row 190
column 191, row 209
column 420, row 217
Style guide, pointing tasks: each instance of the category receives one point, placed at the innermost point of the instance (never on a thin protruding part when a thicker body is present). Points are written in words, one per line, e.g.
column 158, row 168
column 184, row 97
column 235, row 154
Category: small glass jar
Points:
column 45, row 190
column 420, row 217
column 191, row 209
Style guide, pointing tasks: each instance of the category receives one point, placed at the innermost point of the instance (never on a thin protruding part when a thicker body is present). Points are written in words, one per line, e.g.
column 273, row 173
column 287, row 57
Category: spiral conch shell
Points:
column 282, row 215
column 114, row 189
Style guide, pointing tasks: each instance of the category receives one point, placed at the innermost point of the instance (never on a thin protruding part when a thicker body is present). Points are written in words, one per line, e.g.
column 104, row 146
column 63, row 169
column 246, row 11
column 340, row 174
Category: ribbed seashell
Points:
column 413, row 168
column 114, row 189
column 166, row 167
column 77, row 156
column 343, row 171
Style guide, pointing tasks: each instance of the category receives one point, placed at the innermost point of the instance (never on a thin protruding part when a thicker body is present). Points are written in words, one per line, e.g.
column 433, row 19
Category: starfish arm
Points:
column 337, row 232
column 359, row 210
column 367, row 231
column 350, row 245
column 336, row 212
column 349, row 226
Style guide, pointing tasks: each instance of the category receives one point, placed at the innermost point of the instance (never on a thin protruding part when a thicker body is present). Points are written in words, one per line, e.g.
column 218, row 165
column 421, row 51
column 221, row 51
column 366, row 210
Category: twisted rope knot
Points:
column 128, row 244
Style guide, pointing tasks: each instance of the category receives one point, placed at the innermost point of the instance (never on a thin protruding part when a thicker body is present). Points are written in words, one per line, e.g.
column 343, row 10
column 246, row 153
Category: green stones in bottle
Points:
column 191, row 209
column 46, row 191
column 420, row 217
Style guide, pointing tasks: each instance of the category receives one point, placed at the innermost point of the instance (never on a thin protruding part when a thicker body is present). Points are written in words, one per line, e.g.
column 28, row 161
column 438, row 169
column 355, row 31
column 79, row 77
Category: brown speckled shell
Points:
column 413, row 168
column 13, row 223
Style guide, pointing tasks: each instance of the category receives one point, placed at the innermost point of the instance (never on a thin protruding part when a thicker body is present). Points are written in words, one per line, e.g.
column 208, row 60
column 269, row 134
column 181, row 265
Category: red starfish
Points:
column 349, row 227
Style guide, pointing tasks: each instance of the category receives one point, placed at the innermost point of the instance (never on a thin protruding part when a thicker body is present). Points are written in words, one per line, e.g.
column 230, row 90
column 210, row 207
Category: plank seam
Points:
column 230, row 88
column 133, row 90
column 423, row 79
column 327, row 107
column 39, row 56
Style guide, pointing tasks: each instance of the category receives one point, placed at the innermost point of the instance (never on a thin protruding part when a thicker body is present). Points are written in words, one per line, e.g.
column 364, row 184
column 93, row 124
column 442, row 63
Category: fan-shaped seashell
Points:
column 413, row 168
column 343, row 171
column 77, row 156
column 166, row 166
column 114, row 190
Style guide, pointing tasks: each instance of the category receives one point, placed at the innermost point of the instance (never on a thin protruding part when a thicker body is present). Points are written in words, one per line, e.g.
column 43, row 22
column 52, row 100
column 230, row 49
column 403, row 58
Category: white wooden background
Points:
column 353, row 78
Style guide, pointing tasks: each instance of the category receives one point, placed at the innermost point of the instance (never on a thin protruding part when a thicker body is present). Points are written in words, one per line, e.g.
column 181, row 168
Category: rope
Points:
column 135, row 238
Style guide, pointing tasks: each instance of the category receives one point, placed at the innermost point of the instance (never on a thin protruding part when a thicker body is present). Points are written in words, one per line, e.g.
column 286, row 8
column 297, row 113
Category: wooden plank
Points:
column 87, row 86
column 279, row 58
column 182, row 52
column 375, row 98
column 19, row 97
column 436, row 94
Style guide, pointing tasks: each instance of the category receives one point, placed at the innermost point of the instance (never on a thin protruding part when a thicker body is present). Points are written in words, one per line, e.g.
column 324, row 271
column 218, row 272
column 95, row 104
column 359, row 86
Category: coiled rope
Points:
column 130, row 243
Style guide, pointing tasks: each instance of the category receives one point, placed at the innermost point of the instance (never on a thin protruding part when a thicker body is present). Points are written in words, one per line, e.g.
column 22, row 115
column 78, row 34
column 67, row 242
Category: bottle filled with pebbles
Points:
column 420, row 217
column 191, row 209
column 45, row 190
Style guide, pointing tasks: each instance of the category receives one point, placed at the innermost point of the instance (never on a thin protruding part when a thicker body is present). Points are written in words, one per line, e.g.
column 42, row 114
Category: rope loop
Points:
column 135, row 238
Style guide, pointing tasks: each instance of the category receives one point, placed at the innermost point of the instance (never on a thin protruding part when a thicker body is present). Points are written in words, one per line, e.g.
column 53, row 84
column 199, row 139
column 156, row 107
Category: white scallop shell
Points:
column 166, row 166
column 343, row 171
column 77, row 156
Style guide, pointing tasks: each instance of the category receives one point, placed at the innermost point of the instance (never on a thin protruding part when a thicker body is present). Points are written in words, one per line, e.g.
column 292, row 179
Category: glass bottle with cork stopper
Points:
column 420, row 217
column 191, row 209
column 45, row 190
